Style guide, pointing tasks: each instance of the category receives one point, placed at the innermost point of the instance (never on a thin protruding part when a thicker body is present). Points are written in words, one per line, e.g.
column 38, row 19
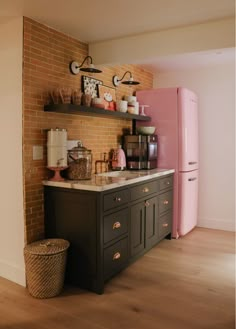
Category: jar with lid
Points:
column 79, row 163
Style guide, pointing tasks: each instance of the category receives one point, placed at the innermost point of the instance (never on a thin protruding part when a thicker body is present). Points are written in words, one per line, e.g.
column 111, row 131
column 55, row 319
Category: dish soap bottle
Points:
column 118, row 159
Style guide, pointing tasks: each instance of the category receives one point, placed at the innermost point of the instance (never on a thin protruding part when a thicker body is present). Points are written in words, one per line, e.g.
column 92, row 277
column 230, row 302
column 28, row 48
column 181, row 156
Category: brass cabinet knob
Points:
column 147, row 204
column 116, row 225
column 165, row 224
column 117, row 199
column 145, row 189
column 116, row 256
column 165, row 202
column 167, row 183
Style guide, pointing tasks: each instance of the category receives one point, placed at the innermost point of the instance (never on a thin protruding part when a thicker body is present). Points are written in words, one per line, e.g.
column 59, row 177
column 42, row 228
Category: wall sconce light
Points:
column 116, row 81
column 75, row 67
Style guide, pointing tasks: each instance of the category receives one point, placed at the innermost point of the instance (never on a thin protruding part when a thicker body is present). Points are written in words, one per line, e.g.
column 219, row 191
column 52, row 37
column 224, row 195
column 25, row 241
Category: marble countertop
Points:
column 110, row 180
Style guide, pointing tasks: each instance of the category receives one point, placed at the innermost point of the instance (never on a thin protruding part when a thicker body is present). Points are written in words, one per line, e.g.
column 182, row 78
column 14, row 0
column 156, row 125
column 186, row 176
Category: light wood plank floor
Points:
column 180, row 284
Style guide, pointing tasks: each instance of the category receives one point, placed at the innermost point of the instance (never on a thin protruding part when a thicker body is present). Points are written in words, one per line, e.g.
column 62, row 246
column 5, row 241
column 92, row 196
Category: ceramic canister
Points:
column 57, row 148
column 122, row 106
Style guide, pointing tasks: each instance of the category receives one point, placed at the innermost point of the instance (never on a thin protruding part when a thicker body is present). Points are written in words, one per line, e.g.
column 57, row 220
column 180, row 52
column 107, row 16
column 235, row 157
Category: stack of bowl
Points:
column 133, row 105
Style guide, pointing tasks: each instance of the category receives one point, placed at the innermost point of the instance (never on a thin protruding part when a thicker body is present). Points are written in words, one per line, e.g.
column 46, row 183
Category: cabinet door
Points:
column 151, row 222
column 137, row 229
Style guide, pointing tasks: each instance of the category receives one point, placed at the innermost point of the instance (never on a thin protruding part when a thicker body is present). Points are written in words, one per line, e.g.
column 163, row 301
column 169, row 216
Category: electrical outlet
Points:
column 37, row 152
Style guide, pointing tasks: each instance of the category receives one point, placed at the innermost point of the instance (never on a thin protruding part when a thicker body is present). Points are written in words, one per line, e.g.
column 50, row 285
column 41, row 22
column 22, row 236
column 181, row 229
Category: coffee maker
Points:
column 140, row 151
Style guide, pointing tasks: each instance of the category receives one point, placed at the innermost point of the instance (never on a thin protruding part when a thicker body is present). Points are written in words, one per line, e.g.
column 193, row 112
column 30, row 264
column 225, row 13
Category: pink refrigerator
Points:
column 174, row 113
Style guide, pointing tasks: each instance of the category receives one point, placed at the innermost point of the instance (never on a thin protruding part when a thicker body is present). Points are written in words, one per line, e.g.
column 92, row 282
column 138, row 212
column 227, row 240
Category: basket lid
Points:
column 47, row 247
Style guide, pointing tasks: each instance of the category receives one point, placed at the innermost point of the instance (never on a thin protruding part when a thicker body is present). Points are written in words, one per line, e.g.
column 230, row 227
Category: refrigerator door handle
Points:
column 192, row 162
column 192, row 179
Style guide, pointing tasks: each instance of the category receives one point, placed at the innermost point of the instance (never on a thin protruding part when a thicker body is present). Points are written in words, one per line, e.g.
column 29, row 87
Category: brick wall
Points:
column 47, row 54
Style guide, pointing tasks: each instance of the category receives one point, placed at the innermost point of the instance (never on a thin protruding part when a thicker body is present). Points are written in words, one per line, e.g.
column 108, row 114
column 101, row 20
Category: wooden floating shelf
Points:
column 92, row 111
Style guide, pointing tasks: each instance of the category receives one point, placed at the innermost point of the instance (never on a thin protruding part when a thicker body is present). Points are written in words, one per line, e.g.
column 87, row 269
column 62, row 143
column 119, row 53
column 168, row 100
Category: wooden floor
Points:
column 180, row 284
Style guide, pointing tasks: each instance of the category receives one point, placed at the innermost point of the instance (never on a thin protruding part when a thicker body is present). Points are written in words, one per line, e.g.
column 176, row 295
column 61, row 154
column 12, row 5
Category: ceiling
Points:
column 189, row 61
column 97, row 20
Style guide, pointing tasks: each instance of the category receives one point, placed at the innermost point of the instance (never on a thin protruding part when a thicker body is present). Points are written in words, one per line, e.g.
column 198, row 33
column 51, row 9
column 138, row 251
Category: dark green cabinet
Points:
column 108, row 230
column 151, row 222
column 143, row 226
column 137, row 224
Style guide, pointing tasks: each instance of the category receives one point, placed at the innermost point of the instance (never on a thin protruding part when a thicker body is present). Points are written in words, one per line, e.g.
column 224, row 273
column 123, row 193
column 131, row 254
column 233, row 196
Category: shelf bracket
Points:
column 133, row 126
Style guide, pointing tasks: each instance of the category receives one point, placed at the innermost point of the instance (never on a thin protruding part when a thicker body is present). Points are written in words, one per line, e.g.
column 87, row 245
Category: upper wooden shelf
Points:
column 92, row 111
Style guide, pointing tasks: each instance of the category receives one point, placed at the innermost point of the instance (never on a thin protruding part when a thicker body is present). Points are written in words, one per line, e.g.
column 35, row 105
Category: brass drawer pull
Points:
column 165, row 224
column 165, row 202
column 147, row 204
column 117, row 199
column 168, row 183
column 116, row 256
column 116, row 225
column 145, row 190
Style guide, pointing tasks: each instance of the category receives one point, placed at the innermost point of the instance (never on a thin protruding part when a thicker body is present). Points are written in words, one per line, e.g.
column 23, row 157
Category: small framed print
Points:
column 90, row 86
column 109, row 96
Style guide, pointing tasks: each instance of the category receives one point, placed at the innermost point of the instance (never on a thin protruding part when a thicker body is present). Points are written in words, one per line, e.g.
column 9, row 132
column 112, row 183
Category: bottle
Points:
column 118, row 159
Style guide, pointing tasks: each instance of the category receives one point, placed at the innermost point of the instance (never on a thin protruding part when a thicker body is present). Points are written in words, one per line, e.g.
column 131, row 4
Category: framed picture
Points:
column 109, row 96
column 89, row 85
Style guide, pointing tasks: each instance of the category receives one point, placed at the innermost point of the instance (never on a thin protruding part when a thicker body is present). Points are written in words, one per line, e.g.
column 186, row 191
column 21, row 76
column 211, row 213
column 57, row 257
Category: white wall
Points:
column 11, row 192
column 215, row 87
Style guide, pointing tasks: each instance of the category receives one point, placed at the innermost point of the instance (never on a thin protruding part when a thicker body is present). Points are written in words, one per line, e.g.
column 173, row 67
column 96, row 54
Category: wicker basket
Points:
column 45, row 263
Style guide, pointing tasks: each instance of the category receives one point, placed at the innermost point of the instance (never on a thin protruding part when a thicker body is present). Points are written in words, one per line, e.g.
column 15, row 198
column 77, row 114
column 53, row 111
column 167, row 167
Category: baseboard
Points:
column 218, row 224
column 12, row 273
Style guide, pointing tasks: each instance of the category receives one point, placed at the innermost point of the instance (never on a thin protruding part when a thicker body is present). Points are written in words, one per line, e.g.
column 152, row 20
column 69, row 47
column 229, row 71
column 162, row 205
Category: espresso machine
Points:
column 140, row 151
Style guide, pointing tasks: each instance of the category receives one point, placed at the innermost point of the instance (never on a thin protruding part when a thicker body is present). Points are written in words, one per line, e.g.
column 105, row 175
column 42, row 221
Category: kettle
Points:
column 118, row 159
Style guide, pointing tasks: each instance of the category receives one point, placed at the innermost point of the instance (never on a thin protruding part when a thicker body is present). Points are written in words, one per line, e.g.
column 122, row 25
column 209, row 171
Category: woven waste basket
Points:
column 45, row 263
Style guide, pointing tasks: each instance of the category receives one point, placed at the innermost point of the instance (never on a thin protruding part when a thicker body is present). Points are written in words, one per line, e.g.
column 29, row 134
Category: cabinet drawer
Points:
column 143, row 190
column 165, row 224
column 166, row 182
column 115, row 257
column 115, row 225
column 165, row 201
column 115, row 199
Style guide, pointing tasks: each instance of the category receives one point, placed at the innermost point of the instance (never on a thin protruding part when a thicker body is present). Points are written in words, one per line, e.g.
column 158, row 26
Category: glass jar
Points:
column 79, row 163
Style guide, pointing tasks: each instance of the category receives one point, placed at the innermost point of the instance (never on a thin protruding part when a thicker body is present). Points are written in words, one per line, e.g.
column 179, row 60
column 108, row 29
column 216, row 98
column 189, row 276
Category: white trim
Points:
column 219, row 224
column 12, row 273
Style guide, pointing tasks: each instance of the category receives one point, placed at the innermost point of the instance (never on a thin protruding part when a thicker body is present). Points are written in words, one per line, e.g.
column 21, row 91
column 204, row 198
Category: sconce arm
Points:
column 125, row 74
column 85, row 60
